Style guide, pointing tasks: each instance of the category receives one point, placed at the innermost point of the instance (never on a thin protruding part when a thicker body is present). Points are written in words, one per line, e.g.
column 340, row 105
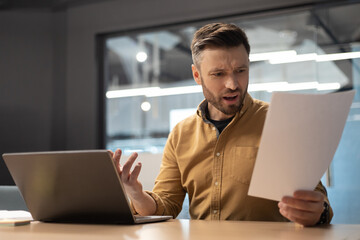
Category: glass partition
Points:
column 149, row 81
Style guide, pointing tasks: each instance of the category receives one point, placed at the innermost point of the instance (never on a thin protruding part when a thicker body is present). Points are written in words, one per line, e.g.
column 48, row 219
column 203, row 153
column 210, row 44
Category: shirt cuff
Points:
column 325, row 216
column 160, row 206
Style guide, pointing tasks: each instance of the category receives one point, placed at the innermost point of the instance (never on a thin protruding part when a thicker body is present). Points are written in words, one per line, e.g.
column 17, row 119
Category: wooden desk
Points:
column 180, row 229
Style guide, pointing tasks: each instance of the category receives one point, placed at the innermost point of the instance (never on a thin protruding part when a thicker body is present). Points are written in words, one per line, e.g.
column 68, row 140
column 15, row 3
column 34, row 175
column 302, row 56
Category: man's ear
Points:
column 196, row 74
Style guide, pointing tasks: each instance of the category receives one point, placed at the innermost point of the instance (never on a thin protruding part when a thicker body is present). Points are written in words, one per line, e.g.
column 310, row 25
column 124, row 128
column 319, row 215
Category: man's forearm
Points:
column 144, row 204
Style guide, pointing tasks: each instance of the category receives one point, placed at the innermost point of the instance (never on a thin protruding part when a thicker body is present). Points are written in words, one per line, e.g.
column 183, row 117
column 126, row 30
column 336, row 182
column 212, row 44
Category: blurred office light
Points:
column 313, row 57
column 145, row 106
column 130, row 92
column 253, row 87
column 254, row 57
column 337, row 56
column 295, row 58
column 141, row 56
column 154, row 91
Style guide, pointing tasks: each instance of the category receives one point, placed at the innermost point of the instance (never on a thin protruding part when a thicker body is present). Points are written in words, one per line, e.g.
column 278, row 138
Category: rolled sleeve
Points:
column 160, row 206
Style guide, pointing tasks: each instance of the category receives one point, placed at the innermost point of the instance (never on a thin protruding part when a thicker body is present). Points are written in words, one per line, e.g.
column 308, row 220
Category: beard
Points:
column 218, row 103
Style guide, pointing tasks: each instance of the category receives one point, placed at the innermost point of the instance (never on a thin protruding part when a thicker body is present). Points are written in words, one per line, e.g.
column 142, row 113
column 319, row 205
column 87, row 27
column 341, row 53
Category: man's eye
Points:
column 240, row 70
column 218, row 74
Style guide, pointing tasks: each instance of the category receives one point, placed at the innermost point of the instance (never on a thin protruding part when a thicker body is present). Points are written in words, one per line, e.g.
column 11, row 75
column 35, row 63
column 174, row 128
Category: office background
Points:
column 52, row 85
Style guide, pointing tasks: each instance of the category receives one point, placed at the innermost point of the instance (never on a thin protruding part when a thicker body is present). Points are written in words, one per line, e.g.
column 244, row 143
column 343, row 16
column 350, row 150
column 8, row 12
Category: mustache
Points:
column 228, row 91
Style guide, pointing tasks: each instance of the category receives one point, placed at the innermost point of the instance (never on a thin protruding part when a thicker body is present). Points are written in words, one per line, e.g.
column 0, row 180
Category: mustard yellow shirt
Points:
column 215, row 169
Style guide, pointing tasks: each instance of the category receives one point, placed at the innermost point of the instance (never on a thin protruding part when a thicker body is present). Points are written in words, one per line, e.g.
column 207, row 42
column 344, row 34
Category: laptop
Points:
column 73, row 187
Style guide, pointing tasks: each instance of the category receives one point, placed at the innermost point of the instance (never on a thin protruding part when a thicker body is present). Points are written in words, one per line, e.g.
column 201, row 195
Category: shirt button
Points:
column 218, row 154
column 216, row 183
column 215, row 211
column 214, row 128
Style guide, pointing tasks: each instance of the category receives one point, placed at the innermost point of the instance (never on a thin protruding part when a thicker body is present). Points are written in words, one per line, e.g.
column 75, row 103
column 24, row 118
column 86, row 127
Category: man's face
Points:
column 224, row 76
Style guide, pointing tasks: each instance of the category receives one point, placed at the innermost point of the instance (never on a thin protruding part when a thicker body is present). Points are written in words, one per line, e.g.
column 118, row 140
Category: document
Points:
column 14, row 218
column 299, row 140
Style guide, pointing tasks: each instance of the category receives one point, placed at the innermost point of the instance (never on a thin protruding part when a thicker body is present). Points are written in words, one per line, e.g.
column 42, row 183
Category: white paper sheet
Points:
column 16, row 214
column 299, row 140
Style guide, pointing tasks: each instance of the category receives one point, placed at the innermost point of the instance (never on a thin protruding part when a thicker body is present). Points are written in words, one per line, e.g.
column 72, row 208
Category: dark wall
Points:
column 58, row 110
column 25, row 83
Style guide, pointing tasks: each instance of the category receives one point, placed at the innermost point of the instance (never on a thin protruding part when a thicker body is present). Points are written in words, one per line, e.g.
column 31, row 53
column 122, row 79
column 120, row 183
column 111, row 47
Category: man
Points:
column 211, row 154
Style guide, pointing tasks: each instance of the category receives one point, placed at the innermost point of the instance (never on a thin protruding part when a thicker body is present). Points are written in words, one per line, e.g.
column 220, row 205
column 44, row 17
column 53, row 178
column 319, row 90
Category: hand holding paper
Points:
column 305, row 207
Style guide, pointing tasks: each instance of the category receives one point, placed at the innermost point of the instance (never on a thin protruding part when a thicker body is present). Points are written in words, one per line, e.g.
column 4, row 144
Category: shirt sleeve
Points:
column 320, row 188
column 168, row 191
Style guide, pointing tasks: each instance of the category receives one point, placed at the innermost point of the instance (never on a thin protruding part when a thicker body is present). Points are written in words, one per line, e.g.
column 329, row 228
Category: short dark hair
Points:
column 218, row 35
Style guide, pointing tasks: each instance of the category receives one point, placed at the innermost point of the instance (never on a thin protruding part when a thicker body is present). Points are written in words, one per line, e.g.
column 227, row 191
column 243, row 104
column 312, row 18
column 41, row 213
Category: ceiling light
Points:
column 255, row 87
column 292, row 59
column 175, row 91
column 328, row 86
column 254, row 57
column 337, row 56
column 145, row 106
column 141, row 56
column 288, row 87
column 130, row 92
column 278, row 59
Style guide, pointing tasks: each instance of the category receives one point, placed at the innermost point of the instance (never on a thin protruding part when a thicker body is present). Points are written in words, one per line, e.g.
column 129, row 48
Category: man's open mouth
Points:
column 230, row 98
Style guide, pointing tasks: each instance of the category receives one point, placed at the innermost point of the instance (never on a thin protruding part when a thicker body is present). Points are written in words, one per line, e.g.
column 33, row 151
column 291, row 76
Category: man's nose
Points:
column 231, row 82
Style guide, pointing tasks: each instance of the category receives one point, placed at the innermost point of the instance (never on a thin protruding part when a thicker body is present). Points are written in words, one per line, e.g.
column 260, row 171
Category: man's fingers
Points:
column 309, row 201
column 127, row 166
column 305, row 207
column 116, row 159
column 299, row 216
column 135, row 173
column 309, row 195
column 117, row 155
column 309, row 206
column 293, row 218
column 130, row 179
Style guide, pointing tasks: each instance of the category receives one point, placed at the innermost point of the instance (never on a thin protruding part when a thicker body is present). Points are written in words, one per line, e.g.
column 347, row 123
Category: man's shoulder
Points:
column 259, row 105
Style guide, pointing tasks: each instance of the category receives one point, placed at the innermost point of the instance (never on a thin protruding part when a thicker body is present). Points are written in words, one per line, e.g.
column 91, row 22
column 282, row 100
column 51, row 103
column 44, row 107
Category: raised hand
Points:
column 142, row 202
column 130, row 179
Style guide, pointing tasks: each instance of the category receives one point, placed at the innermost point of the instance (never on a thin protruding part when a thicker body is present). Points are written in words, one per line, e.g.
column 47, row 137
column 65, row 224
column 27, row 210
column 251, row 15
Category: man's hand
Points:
column 305, row 207
column 142, row 202
column 130, row 179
